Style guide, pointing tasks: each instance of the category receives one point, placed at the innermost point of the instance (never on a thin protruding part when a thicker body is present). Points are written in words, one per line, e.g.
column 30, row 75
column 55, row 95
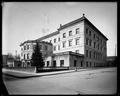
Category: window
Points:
column 58, row 47
column 90, row 54
column 77, row 31
column 77, row 41
column 94, row 55
column 86, row 53
column 64, row 35
column 70, row 33
column 86, row 64
column 70, row 42
column 77, row 51
column 24, row 47
column 28, row 56
column 21, row 54
column 86, row 30
column 47, row 63
column 61, row 63
column 40, row 46
column 27, row 47
column 54, row 48
column 64, row 44
column 94, row 36
column 94, row 44
column 90, row 33
column 50, row 41
column 59, row 39
column 21, row 49
column 24, row 56
column 55, row 40
column 90, row 42
column 45, row 47
column 87, row 40
column 98, row 46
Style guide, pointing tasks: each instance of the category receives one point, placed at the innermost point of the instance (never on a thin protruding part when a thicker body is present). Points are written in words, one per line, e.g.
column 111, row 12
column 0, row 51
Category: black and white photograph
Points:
column 59, row 48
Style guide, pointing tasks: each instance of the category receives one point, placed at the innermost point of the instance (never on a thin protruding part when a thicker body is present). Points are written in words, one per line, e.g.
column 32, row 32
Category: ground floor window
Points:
column 61, row 63
column 47, row 63
column 81, row 63
column 86, row 64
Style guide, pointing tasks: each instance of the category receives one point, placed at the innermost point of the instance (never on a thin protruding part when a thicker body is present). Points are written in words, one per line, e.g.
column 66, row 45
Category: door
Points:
column 75, row 63
column 54, row 63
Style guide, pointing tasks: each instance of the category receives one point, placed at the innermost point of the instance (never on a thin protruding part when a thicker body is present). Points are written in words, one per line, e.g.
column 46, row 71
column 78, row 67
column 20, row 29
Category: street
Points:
column 101, row 81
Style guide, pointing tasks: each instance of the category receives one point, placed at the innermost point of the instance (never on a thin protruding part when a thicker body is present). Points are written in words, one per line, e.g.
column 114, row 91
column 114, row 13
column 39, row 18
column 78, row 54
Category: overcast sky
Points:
column 23, row 21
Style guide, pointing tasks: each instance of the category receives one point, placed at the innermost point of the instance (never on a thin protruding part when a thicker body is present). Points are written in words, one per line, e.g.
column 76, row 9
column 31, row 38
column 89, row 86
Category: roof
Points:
column 34, row 41
column 70, row 24
column 79, row 20
column 95, row 28
column 49, row 35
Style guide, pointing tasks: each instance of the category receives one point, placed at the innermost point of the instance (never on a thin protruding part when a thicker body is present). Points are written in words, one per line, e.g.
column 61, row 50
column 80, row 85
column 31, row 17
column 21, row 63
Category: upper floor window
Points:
column 50, row 41
column 64, row 44
column 70, row 33
column 59, row 39
column 24, row 56
column 94, row 44
column 54, row 48
column 70, row 42
column 86, row 53
column 94, row 55
column 77, row 41
column 98, row 46
column 64, row 35
column 58, row 47
column 77, row 30
column 87, row 40
column 55, row 40
column 90, row 54
column 28, row 56
column 24, row 47
column 90, row 42
column 27, row 47
column 86, row 30
column 94, row 36
column 46, row 47
column 21, row 48
column 21, row 54
column 90, row 33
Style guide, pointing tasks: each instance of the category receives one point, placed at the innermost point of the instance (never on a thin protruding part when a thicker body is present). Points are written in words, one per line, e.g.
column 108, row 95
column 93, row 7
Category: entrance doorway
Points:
column 54, row 63
column 75, row 63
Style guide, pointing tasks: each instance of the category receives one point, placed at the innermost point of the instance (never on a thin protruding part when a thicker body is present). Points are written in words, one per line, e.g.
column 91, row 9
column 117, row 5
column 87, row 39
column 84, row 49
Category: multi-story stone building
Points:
column 77, row 44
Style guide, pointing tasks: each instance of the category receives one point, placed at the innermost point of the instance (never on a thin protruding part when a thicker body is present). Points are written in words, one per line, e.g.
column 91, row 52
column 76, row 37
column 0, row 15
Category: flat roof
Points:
column 34, row 41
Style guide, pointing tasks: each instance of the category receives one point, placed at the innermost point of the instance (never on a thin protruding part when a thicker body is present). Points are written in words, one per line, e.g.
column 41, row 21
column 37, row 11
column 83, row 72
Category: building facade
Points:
column 79, row 37
column 27, row 49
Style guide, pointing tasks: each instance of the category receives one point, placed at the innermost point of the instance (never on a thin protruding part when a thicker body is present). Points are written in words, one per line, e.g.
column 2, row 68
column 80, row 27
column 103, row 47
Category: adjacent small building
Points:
column 27, row 49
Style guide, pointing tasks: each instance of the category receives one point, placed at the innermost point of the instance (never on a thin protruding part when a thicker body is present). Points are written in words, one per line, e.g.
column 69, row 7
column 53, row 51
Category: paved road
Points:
column 102, row 81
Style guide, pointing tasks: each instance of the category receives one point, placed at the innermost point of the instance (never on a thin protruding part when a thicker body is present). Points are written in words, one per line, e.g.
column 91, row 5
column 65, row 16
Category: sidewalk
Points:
column 21, row 74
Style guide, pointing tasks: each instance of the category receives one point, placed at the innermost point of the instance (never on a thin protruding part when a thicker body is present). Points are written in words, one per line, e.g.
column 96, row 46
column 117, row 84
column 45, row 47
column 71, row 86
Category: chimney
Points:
column 83, row 15
column 60, row 25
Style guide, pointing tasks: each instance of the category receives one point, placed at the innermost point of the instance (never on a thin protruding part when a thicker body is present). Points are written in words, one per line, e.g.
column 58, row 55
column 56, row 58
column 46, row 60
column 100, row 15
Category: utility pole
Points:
column 115, row 49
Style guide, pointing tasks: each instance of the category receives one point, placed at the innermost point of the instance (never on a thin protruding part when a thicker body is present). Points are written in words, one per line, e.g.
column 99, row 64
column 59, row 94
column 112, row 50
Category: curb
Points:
column 40, row 75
